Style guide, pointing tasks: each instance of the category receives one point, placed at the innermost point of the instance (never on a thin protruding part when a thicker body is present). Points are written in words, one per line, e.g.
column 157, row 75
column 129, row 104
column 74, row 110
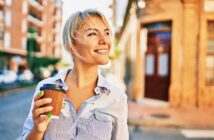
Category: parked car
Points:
column 26, row 75
column 7, row 76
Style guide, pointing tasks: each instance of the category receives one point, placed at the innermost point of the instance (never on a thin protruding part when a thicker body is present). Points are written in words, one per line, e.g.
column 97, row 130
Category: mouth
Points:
column 102, row 51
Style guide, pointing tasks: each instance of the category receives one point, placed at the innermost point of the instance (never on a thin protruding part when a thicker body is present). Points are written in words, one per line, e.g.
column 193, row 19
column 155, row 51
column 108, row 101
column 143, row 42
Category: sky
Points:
column 70, row 6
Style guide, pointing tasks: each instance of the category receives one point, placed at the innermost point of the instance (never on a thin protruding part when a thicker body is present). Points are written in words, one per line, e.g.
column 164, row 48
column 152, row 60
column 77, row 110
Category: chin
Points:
column 104, row 62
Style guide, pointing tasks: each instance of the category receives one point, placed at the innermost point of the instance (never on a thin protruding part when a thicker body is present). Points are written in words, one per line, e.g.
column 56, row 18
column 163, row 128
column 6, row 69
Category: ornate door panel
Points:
column 157, row 69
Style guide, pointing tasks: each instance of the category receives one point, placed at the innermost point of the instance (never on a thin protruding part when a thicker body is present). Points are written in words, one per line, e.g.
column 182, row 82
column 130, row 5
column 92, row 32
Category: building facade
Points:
column 18, row 17
column 169, row 51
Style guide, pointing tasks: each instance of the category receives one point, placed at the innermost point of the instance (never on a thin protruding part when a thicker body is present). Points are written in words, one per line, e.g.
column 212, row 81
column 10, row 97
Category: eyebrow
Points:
column 94, row 29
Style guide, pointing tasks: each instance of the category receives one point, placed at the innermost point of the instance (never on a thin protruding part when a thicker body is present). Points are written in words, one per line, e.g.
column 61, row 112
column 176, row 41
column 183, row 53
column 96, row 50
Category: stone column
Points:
column 136, row 55
column 189, row 80
column 138, row 71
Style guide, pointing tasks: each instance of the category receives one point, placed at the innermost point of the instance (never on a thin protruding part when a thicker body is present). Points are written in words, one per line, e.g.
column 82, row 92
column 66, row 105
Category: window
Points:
column 24, row 42
column 1, row 15
column 163, row 64
column 58, row 27
column 24, row 26
column 150, row 68
column 7, row 40
column 210, row 55
column 8, row 18
column 8, row 2
column 24, row 7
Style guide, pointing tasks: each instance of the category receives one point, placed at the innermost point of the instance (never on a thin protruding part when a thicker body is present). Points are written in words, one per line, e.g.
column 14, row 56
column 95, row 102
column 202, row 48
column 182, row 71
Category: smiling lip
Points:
column 102, row 51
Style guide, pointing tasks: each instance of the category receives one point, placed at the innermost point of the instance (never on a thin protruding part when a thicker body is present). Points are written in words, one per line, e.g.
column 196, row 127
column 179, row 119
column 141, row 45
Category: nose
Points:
column 103, row 39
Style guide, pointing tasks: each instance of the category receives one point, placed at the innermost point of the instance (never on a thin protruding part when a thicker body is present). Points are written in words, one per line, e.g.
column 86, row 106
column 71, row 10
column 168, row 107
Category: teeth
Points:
column 102, row 51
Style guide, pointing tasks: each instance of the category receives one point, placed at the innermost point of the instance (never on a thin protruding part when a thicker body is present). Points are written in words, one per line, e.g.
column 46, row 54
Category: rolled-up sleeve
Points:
column 120, row 130
column 28, row 124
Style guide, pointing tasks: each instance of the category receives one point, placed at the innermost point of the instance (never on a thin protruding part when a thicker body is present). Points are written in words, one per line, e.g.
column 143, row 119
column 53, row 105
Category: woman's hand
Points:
column 40, row 120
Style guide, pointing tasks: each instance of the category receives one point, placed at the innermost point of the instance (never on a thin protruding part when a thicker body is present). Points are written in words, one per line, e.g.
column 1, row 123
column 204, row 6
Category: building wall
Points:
column 206, row 92
column 16, row 25
column 170, row 11
column 129, row 44
column 2, row 23
column 42, row 15
column 188, row 51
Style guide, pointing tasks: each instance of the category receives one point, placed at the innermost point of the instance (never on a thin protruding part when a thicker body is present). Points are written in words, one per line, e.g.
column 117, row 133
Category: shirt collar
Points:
column 102, row 84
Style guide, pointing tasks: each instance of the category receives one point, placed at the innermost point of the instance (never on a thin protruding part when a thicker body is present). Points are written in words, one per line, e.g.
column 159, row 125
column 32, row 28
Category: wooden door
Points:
column 157, row 69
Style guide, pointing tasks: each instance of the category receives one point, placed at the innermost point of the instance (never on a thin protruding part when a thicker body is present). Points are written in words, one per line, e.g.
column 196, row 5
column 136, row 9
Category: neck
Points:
column 83, row 75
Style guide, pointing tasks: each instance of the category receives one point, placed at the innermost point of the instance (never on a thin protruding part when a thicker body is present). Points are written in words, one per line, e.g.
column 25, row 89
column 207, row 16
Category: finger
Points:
column 43, row 118
column 42, row 110
column 38, row 95
column 42, row 102
column 63, row 103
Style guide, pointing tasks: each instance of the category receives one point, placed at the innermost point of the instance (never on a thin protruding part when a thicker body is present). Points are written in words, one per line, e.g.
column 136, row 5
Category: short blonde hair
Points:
column 74, row 22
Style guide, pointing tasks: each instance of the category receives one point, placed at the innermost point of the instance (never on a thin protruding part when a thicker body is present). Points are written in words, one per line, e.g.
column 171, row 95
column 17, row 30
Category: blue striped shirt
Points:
column 101, row 117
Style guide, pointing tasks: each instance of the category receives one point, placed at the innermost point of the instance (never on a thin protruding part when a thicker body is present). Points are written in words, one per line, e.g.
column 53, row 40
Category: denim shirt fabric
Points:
column 101, row 117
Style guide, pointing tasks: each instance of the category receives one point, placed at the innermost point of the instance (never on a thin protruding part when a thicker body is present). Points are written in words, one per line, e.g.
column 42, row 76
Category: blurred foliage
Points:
column 116, row 51
column 39, row 62
column 32, row 45
column 44, row 61
column 35, row 63
column 4, row 59
column 31, row 30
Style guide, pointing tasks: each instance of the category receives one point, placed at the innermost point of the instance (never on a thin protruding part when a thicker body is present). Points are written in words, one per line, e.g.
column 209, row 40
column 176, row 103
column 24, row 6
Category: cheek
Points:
column 109, row 42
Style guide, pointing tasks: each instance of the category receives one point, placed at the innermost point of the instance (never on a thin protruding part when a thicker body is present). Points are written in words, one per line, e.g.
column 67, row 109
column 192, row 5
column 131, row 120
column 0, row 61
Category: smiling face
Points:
column 92, row 41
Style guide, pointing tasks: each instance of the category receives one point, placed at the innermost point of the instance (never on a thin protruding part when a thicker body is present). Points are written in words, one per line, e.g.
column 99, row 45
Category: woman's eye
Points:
column 92, row 34
column 107, row 33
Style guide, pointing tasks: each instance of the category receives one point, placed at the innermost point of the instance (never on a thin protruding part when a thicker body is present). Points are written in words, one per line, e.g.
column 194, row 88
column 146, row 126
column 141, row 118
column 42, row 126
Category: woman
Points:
column 93, row 108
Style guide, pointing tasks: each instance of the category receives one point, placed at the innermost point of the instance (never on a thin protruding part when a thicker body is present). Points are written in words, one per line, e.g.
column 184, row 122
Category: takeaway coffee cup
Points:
column 56, row 93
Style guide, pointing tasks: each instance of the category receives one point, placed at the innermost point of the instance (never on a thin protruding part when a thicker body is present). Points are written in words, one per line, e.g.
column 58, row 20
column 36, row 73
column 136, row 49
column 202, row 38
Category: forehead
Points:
column 93, row 21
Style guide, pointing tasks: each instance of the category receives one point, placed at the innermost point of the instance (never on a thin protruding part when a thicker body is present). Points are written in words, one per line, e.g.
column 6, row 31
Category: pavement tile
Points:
column 147, row 112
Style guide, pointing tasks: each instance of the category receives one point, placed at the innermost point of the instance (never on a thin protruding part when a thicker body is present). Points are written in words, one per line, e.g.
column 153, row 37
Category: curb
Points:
column 165, row 123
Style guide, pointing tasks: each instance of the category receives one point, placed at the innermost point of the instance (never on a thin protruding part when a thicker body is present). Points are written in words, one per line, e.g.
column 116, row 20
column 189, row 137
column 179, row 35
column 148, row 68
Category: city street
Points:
column 14, row 109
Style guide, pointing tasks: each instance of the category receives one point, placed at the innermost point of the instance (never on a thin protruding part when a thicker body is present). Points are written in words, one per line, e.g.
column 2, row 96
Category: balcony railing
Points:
column 36, row 5
column 35, row 21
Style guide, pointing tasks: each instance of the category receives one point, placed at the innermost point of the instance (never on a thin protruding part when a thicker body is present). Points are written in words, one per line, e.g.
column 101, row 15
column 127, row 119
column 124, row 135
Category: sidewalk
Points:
column 150, row 112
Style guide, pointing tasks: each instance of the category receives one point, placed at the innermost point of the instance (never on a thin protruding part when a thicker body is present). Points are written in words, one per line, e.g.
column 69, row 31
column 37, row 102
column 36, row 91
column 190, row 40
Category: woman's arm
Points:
column 35, row 135
column 36, row 124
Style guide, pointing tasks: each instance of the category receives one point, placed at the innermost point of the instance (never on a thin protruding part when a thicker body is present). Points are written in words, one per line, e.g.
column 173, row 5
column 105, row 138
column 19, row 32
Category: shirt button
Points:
column 97, row 90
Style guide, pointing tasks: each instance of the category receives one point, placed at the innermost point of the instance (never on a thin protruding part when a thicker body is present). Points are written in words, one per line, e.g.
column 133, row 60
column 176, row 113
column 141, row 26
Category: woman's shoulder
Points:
column 116, row 91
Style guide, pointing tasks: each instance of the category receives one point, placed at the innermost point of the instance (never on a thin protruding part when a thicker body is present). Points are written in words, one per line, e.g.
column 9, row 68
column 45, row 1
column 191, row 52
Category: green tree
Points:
column 31, row 46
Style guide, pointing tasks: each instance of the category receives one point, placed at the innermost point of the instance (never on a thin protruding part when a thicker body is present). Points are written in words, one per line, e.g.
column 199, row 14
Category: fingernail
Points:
column 40, row 93
column 50, row 107
column 49, row 100
column 49, row 115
